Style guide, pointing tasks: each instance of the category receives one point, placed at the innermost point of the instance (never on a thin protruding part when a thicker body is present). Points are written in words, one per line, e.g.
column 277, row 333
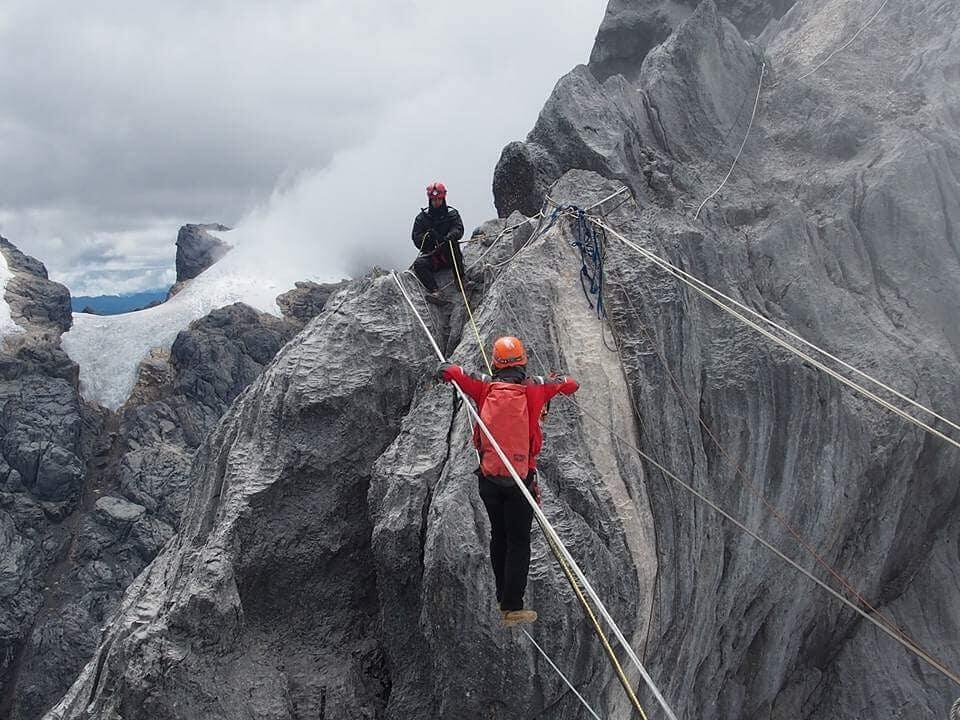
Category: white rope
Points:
column 532, row 237
column 500, row 236
column 756, row 104
column 545, row 523
column 704, row 289
column 608, row 197
column 846, row 45
column 906, row 643
column 564, row 677
column 699, row 285
column 494, row 244
column 556, row 204
column 618, row 436
column 800, row 339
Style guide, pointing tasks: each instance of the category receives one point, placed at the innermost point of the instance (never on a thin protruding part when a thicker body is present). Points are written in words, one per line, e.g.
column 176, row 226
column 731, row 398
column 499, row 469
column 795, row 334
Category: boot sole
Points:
column 511, row 622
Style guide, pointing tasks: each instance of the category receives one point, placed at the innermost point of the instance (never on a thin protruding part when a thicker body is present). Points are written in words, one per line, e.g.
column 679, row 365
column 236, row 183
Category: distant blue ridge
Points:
column 116, row 304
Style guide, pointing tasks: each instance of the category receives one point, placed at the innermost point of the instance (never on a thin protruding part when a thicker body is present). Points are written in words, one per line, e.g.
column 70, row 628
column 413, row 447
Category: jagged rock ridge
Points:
column 45, row 432
column 88, row 497
column 333, row 559
column 631, row 29
column 197, row 249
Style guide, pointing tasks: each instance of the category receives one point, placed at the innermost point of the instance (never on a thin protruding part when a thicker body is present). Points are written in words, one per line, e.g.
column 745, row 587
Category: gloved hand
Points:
column 429, row 243
column 545, row 411
column 570, row 385
column 535, row 491
column 445, row 372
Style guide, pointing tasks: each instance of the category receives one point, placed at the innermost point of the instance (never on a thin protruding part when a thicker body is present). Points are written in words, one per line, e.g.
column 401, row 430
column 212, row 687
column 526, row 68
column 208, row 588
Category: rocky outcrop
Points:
column 332, row 561
column 608, row 128
column 120, row 507
column 345, row 570
column 632, row 29
column 41, row 306
column 635, row 127
column 45, row 435
column 306, row 300
column 197, row 249
column 837, row 222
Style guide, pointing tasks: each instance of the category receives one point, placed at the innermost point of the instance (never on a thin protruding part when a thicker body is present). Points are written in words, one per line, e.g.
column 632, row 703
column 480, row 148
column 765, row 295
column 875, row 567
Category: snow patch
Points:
column 109, row 349
column 8, row 325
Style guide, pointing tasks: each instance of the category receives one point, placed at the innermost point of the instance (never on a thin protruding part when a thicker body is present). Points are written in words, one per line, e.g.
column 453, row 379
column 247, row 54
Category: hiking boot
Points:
column 435, row 298
column 516, row 617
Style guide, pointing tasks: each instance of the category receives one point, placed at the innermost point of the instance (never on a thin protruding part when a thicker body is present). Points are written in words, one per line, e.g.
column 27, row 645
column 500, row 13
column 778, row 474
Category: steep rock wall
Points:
column 333, row 559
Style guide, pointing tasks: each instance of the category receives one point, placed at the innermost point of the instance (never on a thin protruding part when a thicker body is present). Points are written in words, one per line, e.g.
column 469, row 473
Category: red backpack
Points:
column 505, row 414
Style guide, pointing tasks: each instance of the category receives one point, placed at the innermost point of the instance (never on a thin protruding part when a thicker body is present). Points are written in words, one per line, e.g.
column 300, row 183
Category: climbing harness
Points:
column 545, row 523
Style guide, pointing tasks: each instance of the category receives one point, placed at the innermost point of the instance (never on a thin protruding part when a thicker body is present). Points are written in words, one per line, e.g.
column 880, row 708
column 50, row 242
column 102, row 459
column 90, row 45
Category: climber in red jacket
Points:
column 510, row 405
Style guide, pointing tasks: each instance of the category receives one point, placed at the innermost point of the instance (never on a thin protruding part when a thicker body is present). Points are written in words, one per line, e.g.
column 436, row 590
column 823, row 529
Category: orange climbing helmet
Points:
column 508, row 352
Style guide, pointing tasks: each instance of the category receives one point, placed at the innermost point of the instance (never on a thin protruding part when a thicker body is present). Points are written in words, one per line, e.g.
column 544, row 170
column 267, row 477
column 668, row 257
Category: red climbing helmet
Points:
column 436, row 189
column 508, row 352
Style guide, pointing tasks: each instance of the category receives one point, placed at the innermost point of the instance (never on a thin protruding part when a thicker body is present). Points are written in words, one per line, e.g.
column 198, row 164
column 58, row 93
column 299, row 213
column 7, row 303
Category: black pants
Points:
column 426, row 265
column 510, row 521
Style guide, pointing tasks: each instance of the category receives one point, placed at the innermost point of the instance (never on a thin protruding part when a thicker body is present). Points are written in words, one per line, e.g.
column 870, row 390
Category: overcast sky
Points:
column 318, row 121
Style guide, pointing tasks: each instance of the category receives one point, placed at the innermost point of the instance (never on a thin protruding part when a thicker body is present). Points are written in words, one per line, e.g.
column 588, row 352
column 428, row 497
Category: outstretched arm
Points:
column 469, row 383
column 553, row 386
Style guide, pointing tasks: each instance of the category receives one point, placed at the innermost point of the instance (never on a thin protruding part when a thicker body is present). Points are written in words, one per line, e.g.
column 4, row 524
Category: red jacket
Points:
column 539, row 392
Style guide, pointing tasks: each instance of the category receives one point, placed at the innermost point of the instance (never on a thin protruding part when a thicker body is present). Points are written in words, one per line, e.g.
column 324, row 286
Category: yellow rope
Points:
column 596, row 626
column 556, row 553
column 476, row 332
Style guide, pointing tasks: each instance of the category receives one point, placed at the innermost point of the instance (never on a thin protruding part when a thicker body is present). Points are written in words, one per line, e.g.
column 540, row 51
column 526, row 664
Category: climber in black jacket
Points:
column 436, row 228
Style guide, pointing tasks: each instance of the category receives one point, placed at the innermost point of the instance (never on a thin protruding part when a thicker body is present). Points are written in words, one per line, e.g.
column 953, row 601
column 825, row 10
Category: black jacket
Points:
column 432, row 230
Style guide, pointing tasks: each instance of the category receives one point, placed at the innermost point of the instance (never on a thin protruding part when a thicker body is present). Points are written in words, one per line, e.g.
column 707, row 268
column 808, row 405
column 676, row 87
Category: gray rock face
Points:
column 630, row 29
column 133, row 489
column 518, row 183
column 197, row 249
column 361, row 528
column 45, row 433
column 43, row 305
column 306, row 300
column 838, row 221
column 606, row 127
column 332, row 560
column 623, row 125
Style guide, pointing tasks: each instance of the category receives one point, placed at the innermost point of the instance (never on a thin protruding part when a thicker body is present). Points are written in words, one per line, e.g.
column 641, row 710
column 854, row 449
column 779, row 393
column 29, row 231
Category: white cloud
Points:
column 121, row 121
